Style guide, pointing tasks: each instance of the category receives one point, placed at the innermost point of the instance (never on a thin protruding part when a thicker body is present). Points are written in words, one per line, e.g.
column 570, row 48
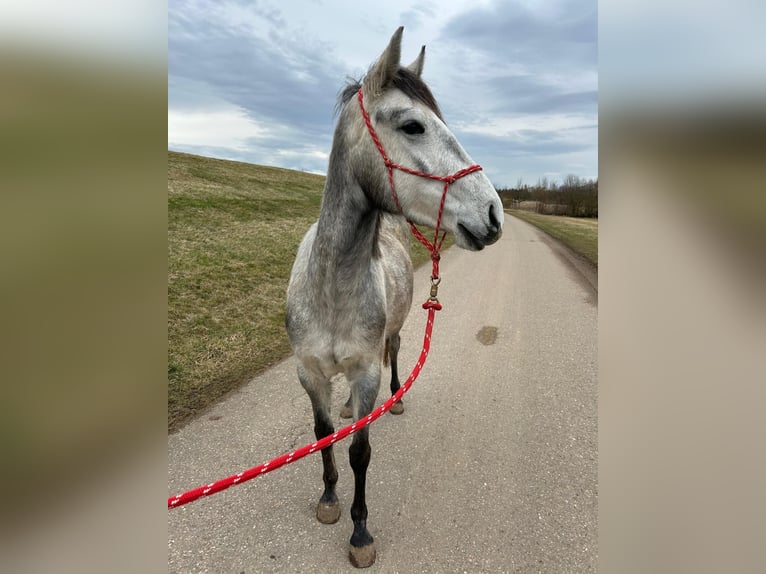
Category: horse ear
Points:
column 417, row 66
column 384, row 70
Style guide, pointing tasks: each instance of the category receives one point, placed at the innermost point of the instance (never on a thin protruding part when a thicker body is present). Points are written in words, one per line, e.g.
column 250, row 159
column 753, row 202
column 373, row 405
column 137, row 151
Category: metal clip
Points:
column 435, row 287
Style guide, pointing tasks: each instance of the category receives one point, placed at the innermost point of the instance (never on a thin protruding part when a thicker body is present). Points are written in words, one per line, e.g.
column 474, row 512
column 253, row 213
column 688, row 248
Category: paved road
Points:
column 492, row 468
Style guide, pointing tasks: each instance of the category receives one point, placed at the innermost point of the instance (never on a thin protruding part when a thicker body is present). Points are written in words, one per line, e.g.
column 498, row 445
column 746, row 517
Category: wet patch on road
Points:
column 487, row 335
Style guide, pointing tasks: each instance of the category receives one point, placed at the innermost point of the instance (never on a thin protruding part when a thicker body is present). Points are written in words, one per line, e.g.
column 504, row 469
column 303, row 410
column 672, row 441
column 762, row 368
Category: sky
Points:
column 257, row 81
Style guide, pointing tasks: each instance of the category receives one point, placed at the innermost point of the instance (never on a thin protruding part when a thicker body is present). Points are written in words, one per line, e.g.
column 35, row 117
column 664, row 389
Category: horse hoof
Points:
column 362, row 556
column 397, row 408
column 328, row 513
column 345, row 412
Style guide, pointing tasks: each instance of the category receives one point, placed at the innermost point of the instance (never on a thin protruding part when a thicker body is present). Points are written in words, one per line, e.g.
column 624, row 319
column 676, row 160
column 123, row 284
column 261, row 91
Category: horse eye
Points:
column 412, row 127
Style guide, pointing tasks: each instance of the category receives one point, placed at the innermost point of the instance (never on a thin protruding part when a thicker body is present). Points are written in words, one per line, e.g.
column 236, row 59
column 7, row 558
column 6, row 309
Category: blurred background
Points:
column 83, row 134
column 83, row 285
column 682, row 316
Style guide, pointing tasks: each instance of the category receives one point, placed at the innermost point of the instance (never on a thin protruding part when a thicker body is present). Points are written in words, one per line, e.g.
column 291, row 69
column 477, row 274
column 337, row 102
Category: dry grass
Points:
column 233, row 230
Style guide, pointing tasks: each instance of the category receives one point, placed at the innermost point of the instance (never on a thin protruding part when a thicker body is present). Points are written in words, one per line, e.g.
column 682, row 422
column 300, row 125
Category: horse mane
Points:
column 406, row 81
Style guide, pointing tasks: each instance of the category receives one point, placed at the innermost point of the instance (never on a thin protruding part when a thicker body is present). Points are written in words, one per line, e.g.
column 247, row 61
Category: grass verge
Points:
column 233, row 230
column 579, row 234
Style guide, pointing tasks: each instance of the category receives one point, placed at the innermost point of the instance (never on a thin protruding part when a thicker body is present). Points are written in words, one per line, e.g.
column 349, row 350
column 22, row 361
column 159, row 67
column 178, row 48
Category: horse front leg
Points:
column 363, row 394
column 319, row 391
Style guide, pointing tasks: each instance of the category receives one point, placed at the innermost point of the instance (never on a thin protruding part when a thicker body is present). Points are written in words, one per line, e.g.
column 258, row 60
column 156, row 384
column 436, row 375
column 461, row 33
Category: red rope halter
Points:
column 448, row 180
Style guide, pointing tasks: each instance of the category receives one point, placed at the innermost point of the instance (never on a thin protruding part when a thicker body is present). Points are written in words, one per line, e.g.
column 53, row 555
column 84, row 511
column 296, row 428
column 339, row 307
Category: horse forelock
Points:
column 345, row 95
column 405, row 81
column 413, row 87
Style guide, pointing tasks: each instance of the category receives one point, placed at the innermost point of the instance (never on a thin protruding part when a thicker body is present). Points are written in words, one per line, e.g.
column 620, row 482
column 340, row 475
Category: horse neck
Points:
column 347, row 231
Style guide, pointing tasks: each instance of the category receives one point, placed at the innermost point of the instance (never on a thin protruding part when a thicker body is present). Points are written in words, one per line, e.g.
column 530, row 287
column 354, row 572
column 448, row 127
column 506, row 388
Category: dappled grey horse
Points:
column 351, row 283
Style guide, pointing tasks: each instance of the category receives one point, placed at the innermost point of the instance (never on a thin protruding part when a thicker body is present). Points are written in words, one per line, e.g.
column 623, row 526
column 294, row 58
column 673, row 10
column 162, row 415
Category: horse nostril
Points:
column 494, row 223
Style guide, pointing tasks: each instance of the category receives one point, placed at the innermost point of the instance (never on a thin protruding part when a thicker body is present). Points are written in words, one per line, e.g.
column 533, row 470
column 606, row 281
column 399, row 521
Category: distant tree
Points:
column 577, row 194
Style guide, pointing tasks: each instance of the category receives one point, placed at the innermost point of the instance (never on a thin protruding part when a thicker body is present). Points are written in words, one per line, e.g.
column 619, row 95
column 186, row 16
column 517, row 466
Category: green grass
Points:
column 233, row 231
column 579, row 234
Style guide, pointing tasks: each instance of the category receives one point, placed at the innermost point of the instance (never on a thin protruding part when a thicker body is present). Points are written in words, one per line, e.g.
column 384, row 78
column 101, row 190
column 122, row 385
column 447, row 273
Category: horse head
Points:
column 416, row 156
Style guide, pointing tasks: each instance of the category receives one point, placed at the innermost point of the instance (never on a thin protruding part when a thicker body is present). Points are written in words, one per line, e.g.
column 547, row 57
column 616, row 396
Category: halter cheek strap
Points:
column 448, row 180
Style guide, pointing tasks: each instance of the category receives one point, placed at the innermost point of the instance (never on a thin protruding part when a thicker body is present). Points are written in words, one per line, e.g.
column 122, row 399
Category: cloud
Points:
column 414, row 17
column 556, row 36
column 522, row 148
column 275, row 76
column 224, row 63
column 228, row 128
column 536, row 95
column 527, row 86
column 514, row 80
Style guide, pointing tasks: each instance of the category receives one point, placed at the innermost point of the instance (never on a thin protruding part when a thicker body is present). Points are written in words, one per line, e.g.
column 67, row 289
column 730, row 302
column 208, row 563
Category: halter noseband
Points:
column 448, row 180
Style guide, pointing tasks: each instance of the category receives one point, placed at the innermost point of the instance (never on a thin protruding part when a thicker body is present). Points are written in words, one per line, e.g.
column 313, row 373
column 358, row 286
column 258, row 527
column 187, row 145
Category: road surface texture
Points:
column 491, row 468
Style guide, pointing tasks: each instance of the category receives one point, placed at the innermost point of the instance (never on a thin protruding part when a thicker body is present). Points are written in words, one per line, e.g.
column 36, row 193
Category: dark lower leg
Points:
column 364, row 393
column 323, row 428
column 359, row 455
column 328, row 509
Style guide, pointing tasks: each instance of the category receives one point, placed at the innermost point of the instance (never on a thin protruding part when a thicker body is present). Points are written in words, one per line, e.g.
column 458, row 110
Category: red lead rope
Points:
column 244, row 476
column 432, row 305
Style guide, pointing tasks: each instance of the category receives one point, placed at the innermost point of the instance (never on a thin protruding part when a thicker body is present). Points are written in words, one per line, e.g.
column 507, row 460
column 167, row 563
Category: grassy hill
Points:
column 233, row 230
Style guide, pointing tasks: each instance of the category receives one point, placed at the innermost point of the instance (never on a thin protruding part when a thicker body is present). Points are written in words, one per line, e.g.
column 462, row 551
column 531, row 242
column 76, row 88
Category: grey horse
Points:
column 351, row 283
